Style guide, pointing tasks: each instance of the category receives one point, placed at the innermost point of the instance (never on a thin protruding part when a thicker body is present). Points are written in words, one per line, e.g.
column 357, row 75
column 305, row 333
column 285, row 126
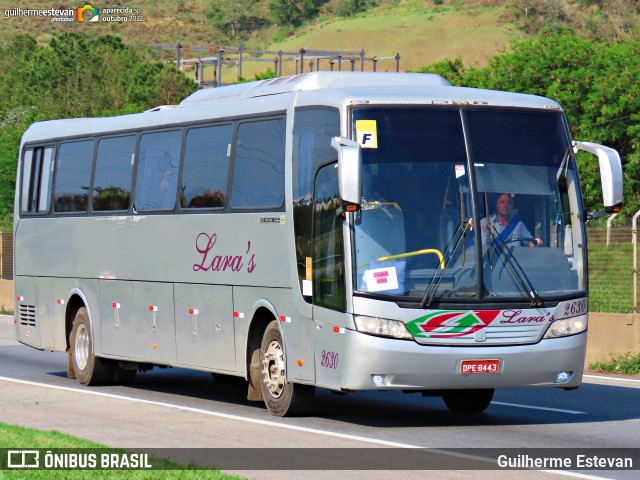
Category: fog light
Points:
column 378, row 380
column 563, row 377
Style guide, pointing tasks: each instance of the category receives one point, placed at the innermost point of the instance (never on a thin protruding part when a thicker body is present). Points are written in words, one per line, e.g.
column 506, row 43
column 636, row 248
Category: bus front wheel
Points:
column 468, row 401
column 88, row 369
column 281, row 397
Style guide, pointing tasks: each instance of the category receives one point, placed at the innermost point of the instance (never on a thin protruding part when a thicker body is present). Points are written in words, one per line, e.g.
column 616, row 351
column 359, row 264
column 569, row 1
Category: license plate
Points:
column 479, row 366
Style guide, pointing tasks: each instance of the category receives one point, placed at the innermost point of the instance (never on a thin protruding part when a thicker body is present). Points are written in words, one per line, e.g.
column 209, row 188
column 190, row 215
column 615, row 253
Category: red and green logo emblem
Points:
column 451, row 323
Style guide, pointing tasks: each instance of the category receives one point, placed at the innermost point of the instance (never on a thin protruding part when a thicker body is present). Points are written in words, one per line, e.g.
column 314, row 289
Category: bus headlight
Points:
column 382, row 327
column 566, row 327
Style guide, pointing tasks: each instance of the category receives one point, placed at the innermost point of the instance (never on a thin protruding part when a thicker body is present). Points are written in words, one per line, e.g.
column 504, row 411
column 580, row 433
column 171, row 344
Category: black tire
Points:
column 281, row 398
column 120, row 375
column 88, row 369
column 468, row 401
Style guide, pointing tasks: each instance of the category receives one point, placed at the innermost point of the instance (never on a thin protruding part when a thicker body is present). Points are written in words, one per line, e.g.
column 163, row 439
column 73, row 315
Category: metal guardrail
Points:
column 301, row 60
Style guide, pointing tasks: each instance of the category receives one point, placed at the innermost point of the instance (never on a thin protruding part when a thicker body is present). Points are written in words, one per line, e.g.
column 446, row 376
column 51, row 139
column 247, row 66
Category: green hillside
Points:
column 421, row 36
column 419, row 31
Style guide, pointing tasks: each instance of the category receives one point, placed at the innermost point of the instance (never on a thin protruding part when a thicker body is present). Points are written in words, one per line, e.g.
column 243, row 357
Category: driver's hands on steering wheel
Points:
column 536, row 242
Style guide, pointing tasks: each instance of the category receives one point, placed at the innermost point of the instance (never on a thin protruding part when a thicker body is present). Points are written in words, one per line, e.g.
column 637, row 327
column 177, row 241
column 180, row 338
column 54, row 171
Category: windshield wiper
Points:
column 516, row 271
column 564, row 165
column 448, row 254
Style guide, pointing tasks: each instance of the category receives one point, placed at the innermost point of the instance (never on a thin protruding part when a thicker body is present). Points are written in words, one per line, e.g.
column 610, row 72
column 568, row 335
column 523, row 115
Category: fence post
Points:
column 219, row 67
column 609, row 220
column 178, row 48
column 634, row 243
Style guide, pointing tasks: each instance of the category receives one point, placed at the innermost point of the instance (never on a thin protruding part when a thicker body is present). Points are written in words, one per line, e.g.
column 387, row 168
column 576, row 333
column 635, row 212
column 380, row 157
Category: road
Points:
column 175, row 408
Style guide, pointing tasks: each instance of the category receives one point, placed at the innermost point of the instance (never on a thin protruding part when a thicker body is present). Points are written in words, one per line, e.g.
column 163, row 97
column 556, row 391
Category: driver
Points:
column 507, row 225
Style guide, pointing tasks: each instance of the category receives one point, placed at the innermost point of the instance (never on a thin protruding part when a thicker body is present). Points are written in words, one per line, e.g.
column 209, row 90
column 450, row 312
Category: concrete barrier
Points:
column 609, row 333
column 6, row 296
column 612, row 334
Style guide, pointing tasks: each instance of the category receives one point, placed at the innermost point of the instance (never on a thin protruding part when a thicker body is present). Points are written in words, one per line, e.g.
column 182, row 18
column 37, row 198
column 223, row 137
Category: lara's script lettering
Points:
column 213, row 262
column 515, row 316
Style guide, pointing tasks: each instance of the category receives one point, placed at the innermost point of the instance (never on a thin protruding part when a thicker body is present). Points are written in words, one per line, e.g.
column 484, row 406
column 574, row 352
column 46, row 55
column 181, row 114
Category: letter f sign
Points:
column 367, row 133
column 367, row 139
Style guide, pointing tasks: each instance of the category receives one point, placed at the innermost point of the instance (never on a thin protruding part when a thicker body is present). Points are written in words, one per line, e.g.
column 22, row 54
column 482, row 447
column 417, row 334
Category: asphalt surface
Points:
column 186, row 410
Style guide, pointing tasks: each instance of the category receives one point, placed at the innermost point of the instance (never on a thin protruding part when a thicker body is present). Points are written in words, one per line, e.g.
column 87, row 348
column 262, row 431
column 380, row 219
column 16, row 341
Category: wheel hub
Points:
column 273, row 368
column 81, row 348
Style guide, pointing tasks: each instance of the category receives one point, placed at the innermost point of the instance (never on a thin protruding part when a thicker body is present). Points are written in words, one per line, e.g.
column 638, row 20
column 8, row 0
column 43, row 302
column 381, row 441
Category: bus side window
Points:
column 313, row 129
column 328, row 256
column 258, row 167
column 71, row 190
column 37, row 176
column 157, row 175
column 206, row 167
column 113, row 175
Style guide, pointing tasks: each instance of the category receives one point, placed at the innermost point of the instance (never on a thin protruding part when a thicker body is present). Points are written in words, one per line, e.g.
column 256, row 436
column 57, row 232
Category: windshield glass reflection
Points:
column 426, row 217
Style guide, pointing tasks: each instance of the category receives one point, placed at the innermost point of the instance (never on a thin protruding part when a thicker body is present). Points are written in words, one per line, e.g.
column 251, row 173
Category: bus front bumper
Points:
column 391, row 364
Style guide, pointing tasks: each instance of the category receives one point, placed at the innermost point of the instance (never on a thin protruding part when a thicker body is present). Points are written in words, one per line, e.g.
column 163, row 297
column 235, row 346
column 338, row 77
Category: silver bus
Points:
column 337, row 230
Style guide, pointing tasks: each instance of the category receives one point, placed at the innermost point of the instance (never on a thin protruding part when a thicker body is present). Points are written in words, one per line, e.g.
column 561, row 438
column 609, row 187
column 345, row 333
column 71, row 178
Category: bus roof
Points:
column 314, row 88
column 317, row 81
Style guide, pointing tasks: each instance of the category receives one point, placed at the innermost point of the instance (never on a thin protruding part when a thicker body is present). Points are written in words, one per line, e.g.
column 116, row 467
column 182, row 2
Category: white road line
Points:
column 533, row 407
column 214, row 414
column 291, row 427
column 613, row 379
column 575, row 474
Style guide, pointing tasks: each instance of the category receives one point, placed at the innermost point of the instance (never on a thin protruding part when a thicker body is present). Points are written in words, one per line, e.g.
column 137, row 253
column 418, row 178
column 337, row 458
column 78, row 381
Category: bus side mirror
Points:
column 349, row 163
column 610, row 173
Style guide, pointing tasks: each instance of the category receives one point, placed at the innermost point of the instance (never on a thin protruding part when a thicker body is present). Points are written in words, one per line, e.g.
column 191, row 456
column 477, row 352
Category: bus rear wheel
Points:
column 88, row 369
column 281, row 397
column 468, row 401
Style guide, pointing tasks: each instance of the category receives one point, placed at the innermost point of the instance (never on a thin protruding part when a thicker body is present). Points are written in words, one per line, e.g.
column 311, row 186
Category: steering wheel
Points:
column 524, row 240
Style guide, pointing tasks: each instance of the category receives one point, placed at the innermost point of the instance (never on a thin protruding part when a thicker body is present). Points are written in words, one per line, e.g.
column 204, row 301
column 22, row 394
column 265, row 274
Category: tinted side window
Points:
column 157, row 176
column 73, row 176
column 313, row 129
column 206, row 167
column 258, row 170
column 328, row 258
column 46, row 180
column 114, row 167
column 27, row 174
column 37, row 179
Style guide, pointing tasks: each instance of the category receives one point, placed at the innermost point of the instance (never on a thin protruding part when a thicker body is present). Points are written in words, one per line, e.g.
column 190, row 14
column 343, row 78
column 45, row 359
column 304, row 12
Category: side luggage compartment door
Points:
column 205, row 335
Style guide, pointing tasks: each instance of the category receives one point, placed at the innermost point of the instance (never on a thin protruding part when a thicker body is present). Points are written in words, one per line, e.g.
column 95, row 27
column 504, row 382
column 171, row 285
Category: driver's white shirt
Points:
column 520, row 231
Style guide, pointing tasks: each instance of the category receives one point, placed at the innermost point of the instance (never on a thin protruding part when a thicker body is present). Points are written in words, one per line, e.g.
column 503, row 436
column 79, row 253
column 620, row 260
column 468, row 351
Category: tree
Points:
column 620, row 12
column 233, row 16
column 74, row 76
column 597, row 82
column 291, row 12
column 285, row 12
column 348, row 8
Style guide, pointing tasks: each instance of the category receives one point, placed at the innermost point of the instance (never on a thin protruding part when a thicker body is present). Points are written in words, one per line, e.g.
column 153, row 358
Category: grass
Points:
column 626, row 364
column 421, row 32
column 15, row 437
column 164, row 21
column 421, row 36
column 611, row 277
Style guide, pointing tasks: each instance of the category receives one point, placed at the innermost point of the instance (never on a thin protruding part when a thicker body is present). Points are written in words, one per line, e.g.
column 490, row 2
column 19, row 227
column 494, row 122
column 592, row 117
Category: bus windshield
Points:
column 467, row 205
